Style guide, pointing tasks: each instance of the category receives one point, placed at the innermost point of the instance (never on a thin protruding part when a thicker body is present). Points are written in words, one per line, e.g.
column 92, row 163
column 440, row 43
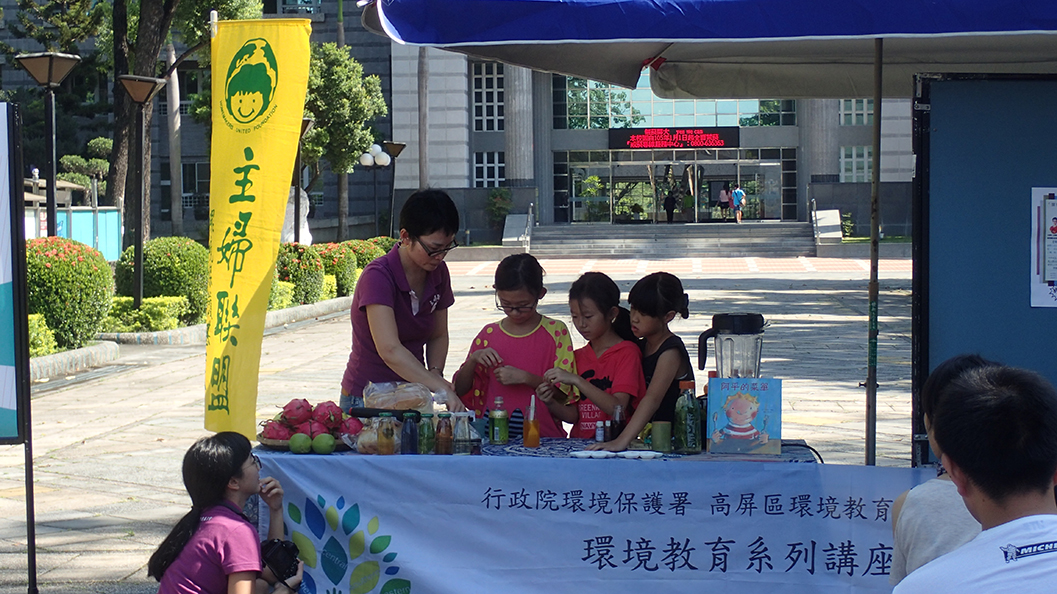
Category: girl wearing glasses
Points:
column 508, row 358
column 214, row 548
column 400, row 305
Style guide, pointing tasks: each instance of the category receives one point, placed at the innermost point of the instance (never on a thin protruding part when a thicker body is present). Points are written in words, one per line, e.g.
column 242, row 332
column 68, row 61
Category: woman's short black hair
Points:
column 427, row 211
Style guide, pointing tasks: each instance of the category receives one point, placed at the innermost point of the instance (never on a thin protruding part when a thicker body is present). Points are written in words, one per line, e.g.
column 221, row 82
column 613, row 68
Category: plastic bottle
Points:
column 619, row 422
column 600, row 431
column 498, row 423
column 444, row 436
column 687, row 426
column 462, row 444
column 426, row 435
column 386, row 434
column 409, row 435
column 607, row 430
column 531, row 432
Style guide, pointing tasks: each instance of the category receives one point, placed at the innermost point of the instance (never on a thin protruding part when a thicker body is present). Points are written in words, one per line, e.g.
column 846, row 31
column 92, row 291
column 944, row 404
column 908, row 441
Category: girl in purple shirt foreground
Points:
column 214, row 548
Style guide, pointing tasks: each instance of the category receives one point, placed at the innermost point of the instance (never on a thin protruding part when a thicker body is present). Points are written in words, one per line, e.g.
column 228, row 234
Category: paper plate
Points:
column 581, row 454
column 640, row 454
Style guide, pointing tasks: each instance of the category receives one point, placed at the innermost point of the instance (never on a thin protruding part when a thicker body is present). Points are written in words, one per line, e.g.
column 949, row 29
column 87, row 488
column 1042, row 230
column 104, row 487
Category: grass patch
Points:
column 887, row 239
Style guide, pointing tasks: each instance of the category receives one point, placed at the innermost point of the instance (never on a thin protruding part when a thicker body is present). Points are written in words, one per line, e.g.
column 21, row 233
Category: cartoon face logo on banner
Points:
column 251, row 82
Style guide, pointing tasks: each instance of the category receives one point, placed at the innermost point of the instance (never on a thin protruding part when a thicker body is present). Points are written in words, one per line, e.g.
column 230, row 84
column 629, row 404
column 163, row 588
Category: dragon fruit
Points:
column 350, row 426
column 276, row 430
column 297, row 411
column 328, row 413
column 311, row 428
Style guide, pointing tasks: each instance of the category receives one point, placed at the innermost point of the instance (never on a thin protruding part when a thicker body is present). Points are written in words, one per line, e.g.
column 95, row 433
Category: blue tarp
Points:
column 483, row 22
column 737, row 48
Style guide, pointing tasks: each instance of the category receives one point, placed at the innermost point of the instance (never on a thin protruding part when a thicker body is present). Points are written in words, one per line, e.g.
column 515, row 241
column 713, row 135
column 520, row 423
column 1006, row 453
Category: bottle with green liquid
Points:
column 498, row 423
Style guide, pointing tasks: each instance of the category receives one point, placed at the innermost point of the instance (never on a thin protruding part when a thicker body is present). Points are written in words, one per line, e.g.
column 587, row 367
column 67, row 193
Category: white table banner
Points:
column 432, row 524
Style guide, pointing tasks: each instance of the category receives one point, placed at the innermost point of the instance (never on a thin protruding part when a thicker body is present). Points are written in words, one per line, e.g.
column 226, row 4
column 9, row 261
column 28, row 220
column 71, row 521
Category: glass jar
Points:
column 386, row 434
column 409, row 434
column 462, row 445
column 426, row 434
column 444, row 437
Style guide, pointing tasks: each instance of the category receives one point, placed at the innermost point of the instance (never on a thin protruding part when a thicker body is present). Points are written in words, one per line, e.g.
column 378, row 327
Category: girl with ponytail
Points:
column 214, row 549
column 609, row 366
column 655, row 301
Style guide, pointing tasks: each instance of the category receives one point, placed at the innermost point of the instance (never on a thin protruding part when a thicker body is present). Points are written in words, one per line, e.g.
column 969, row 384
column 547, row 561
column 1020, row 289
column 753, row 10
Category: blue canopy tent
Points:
column 737, row 48
column 744, row 49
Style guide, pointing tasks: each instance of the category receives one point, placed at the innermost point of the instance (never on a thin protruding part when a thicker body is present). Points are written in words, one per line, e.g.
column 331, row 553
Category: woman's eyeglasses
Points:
column 439, row 251
column 256, row 461
column 513, row 309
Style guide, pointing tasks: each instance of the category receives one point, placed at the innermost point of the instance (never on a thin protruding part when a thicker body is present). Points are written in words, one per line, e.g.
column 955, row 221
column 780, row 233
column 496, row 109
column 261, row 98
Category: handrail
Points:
column 814, row 220
column 526, row 237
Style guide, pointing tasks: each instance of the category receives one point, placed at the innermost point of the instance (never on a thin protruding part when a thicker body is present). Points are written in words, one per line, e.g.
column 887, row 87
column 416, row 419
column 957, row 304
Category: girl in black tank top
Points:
column 655, row 301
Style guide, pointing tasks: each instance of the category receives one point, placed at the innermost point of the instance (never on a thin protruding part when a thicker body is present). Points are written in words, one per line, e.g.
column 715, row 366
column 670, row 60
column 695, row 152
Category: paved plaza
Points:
column 108, row 442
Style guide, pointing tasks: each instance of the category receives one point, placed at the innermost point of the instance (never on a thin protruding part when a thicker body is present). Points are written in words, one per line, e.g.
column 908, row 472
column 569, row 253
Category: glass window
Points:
column 602, row 106
column 489, row 169
column 856, row 112
column 856, row 163
column 487, row 100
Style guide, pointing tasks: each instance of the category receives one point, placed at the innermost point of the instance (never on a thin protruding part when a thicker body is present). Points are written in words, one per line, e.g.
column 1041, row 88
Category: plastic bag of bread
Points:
column 398, row 396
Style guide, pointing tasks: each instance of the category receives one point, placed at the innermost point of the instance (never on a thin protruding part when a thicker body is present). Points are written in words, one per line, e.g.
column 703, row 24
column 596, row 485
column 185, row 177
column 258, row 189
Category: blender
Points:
column 738, row 344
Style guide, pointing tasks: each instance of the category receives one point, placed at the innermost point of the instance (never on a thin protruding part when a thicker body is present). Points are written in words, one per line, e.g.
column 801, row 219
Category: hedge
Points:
column 300, row 264
column 172, row 267
column 365, row 251
column 330, row 287
column 384, row 242
column 281, row 295
column 340, row 261
column 41, row 338
column 155, row 314
column 71, row 285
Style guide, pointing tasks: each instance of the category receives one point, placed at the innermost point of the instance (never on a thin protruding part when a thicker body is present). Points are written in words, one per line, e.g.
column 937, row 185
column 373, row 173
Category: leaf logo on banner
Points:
column 251, row 81
column 324, row 528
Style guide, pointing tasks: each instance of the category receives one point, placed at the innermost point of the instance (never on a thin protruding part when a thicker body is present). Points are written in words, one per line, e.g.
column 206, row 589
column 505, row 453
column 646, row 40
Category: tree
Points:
column 59, row 25
column 192, row 23
column 342, row 101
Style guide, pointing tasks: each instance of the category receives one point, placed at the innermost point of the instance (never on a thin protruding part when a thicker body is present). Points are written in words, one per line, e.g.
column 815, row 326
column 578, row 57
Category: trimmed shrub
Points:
column 384, row 242
column 341, row 261
column 70, row 284
column 172, row 267
column 330, row 287
column 281, row 295
column 300, row 264
column 41, row 338
column 366, row 252
column 154, row 314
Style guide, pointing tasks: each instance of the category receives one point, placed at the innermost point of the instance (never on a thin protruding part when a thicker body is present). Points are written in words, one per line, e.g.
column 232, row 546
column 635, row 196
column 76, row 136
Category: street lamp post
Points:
column 306, row 125
column 394, row 149
column 49, row 69
column 375, row 159
column 141, row 89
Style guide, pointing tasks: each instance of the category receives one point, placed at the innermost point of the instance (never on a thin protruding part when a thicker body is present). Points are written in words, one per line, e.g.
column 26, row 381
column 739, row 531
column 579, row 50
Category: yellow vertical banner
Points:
column 260, row 77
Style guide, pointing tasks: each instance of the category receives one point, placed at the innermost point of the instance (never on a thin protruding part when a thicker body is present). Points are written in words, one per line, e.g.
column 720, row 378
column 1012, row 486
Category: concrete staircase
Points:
column 706, row 240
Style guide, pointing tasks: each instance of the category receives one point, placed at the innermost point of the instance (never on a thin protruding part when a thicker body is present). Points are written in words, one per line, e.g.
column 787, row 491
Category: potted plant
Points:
column 498, row 207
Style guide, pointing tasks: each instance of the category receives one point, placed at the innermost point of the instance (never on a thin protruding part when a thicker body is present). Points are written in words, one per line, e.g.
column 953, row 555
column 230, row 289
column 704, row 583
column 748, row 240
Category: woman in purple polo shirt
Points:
column 400, row 306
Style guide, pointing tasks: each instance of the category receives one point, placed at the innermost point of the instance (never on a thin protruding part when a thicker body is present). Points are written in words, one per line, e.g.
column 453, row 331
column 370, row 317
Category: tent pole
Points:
column 875, row 224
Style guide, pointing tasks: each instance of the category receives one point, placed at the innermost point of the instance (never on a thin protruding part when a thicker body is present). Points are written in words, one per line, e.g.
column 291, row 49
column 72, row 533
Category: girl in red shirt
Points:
column 609, row 366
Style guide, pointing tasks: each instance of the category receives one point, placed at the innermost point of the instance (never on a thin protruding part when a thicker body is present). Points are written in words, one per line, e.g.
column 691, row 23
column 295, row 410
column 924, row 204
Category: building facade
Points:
column 589, row 152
